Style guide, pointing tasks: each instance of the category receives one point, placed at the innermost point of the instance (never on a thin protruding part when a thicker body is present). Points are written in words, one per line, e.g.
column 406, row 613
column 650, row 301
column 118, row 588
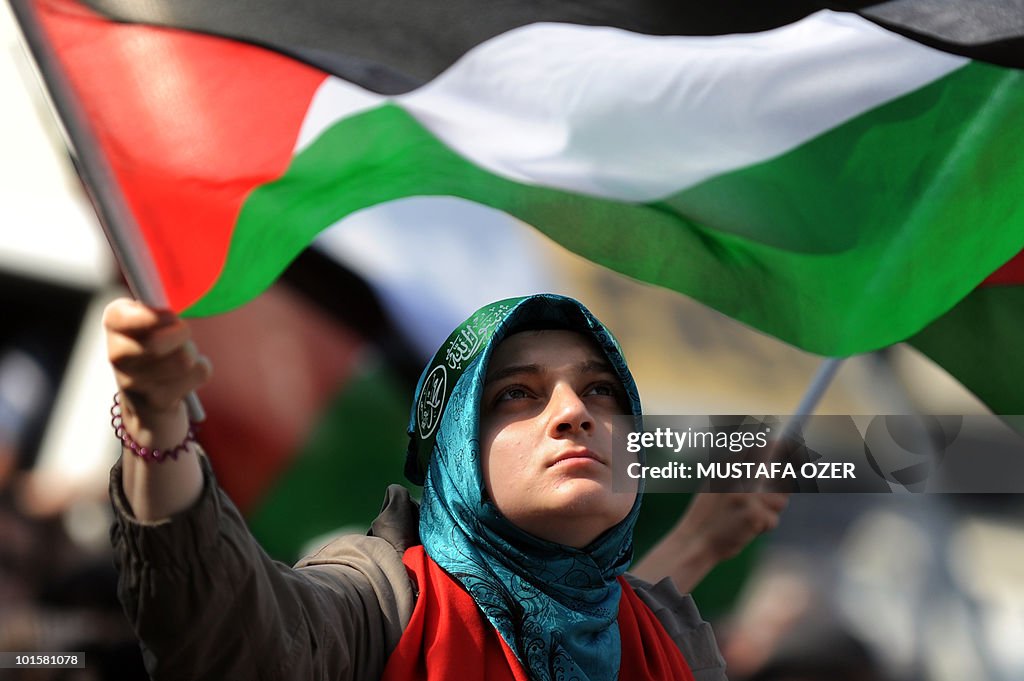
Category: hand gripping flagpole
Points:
column 118, row 222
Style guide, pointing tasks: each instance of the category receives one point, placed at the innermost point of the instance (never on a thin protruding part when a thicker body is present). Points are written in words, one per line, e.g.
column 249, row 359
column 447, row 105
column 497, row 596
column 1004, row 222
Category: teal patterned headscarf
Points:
column 555, row 606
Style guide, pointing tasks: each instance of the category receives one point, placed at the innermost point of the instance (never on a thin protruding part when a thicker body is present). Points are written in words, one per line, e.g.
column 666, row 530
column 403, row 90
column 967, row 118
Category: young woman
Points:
column 512, row 566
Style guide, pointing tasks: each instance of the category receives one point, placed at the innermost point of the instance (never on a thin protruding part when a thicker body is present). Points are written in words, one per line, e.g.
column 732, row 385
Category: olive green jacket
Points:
column 208, row 603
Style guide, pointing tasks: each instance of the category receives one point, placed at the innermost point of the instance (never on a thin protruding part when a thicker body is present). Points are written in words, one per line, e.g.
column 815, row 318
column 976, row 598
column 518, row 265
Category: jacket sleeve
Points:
column 679, row 615
column 208, row 603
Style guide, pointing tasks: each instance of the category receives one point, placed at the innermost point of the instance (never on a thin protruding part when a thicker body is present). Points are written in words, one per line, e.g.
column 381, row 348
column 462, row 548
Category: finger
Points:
column 136, row 373
column 776, row 501
column 133, row 318
column 168, row 345
column 769, row 521
column 168, row 339
column 178, row 367
column 164, row 395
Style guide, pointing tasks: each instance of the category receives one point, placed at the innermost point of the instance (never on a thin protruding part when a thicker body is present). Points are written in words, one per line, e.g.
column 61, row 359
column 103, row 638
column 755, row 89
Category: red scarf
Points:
column 449, row 638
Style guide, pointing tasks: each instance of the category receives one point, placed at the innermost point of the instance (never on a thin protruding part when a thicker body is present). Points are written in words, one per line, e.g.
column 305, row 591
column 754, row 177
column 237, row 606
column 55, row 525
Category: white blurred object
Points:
column 986, row 560
column 87, row 523
column 884, row 560
column 937, row 590
column 49, row 230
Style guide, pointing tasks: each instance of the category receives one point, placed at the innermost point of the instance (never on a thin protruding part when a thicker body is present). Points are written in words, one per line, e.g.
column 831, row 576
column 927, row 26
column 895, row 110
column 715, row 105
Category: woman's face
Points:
column 546, row 436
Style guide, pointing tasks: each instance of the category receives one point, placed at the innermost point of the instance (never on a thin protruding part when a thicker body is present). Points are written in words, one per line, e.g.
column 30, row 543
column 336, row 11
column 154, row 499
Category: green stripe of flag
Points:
column 840, row 246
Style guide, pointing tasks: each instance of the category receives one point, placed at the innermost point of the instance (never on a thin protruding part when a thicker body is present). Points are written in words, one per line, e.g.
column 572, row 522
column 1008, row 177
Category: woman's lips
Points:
column 580, row 454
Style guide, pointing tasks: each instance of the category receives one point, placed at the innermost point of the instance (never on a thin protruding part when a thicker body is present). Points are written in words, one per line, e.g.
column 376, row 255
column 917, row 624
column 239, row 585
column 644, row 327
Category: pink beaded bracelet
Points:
column 145, row 453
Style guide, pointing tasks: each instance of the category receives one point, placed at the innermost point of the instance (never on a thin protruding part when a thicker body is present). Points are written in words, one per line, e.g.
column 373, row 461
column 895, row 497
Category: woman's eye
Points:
column 602, row 389
column 513, row 394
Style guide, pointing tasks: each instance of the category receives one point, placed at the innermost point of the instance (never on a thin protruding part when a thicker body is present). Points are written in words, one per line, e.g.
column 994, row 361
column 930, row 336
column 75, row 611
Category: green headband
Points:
column 439, row 379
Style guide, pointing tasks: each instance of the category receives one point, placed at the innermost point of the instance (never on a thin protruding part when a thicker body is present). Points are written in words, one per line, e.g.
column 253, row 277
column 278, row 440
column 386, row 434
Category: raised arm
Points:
column 156, row 366
column 716, row 526
column 201, row 594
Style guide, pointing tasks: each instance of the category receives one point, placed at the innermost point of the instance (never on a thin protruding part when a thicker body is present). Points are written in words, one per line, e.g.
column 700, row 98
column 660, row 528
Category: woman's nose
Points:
column 569, row 413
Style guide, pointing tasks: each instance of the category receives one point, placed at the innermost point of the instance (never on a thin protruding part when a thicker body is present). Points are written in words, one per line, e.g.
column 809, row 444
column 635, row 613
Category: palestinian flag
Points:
column 824, row 179
column 979, row 340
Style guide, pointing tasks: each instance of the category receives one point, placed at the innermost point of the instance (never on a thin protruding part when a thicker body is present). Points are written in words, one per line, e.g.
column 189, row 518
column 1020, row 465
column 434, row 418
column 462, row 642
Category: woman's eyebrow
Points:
column 591, row 366
column 513, row 370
